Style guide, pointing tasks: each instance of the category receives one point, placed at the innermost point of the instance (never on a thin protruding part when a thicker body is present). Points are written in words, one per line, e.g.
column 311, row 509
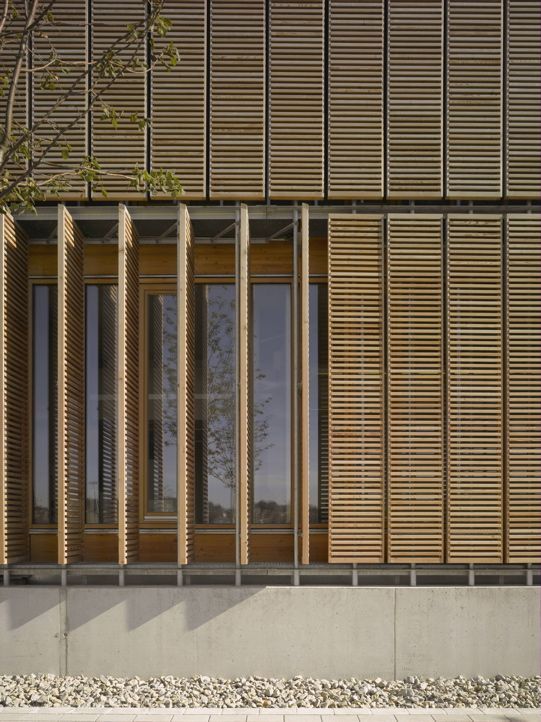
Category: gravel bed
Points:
column 52, row 691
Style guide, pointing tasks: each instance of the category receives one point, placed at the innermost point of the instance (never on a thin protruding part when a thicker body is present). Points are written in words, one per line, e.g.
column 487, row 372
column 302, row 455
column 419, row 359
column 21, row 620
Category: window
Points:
column 44, row 402
column 271, row 403
column 319, row 449
column 161, row 403
column 215, row 400
column 100, row 403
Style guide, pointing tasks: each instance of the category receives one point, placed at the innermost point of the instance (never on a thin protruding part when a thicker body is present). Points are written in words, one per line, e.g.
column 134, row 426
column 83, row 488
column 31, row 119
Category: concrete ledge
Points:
column 362, row 632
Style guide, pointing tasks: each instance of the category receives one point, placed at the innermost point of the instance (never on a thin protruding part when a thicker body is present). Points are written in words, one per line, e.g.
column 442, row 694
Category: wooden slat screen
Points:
column 524, row 388
column 474, row 389
column 70, row 389
column 524, row 99
column 474, row 123
column 296, row 99
column 128, row 389
column 13, row 393
column 305, row 382
column 67, row 35
column 415, row 389
column 186, row 387
column 21, row 111
column 244, row 431
column 237, row 99
column 355, row 148
column 415, row 95
column 178, row 128
column 356, row 395
column 119, row 150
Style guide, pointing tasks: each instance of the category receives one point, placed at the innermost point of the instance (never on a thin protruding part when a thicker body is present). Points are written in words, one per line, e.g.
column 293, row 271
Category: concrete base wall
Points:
column 271, row 631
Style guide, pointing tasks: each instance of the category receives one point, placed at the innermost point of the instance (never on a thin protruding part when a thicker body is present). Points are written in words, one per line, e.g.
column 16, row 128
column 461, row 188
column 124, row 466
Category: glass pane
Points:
column 101, row 372
column 44, row 399
column 272, row 403
column 215, row 380
column 319, row 449
column 162, row 403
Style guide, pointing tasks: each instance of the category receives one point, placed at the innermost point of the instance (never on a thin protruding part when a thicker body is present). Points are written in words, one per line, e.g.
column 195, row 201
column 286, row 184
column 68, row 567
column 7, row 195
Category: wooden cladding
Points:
column 244, row 400
column 128, row 389
column 237, row 99
column 296, row 99
column 439, row 460
column 13, row 393
column 70, row 389
column 186, row 387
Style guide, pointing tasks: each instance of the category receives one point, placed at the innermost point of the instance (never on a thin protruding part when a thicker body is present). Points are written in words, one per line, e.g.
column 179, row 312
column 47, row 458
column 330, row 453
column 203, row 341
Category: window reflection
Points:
column 319, row 449
column 44, row 400
column 162, row 403
column 215, row 399
column 101, row 372
column 271, row 403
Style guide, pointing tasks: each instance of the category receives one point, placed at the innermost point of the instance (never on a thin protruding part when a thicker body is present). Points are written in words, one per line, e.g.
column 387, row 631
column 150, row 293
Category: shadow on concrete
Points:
column 86, row 604
column 201, row 609
column 24, row 605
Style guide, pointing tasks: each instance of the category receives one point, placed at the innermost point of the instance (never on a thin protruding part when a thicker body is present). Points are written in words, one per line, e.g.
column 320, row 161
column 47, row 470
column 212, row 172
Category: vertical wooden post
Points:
column 244, row 430
column 305, row 383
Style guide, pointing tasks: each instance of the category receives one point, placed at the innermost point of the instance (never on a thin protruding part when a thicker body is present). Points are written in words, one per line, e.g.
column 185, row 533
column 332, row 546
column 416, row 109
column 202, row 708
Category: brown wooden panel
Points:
column 214, row 547
column 244, row 431
column 44, row 548
column 524, row 99
column 100, row 548
column 305, row 383
column 237, row 99
column 415, row 99
column 474, row 389
column 474, row 113
column 415, row 391
column 128, row 389
column 271, row 547
column 13, row 393
column 524, row 388
column 185, row 388
column 67, row 36
column 119, row 150
column 70, row 389
column 296, row 99
column 158, row 548
column 100, row 260
column 355, row 99
column 356, row 398
column 319, row 548
column 178, row 129
column 42, row 260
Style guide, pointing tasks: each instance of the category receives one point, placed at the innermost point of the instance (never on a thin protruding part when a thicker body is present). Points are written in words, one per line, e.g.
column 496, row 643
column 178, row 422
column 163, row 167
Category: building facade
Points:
column 329, row 350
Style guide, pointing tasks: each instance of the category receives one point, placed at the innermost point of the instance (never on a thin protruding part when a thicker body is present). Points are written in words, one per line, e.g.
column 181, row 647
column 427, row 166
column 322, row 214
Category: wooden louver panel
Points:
column 524, row 388
column 355, row 99
column 474, row 113
column 415, row 92
column 178, row 128
column 67, row 35
column 415, row 393
column 305, row 382
column 524, row 99
column 128, row 389
column 244, row 431
column 474, row 389
column 70, row 389
column 237, row 99
column 296, row 99
column 120, row 149
column 356, row 397
column 13, row 393
column 186, row 387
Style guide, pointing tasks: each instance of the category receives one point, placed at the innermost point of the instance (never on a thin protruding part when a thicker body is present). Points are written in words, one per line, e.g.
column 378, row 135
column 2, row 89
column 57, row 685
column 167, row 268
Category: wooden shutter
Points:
column 119, row 150
column 13, row 393
column 186, row 387
column 474, row 389
column 237, row 131
column 474, row 113
column 524, row 99
column 356, row 397
column 178, row 128
column 415, row 99
column 70, row 389
column 21, row 114
column 524, row 388
column 67, row 35
column 296, row 99
column 244, row 431
column 415, row 421
column 128, row 389
column 355, row 99
column 305, row 382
